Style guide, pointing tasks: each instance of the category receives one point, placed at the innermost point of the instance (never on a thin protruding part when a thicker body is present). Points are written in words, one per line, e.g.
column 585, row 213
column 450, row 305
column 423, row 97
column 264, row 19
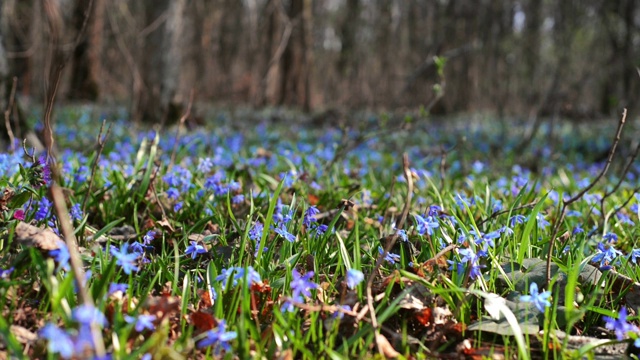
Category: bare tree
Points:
column 161, row 64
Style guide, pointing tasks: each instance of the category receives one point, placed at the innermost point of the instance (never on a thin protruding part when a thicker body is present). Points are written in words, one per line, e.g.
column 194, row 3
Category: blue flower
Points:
column 542, row 222
column 541, row 301
column 143, row 322
column 125, row 259
column 321, row 229
column 517, row 219
column 610, row 237
column 76, row 212
column 470, row 257
column 354, row 277
column 115, row 287
column 309, row 215
column 61, row 255
column 194, row 249
column 282, row 231
column 403, row 235
column 426, row 224
column 173, row 193
column 390, row 257
column 577, row 230
column 237, row 199
column 43, row 208
column 620, row 325
column 5, row 273
column 225, row 275
column 301, row 286
column 87, row 315
column 339, row 314
column 634, row 255
column 148, row 237
column 606, row 254
column 255, row 233
column 219, row 337
column 59, row 341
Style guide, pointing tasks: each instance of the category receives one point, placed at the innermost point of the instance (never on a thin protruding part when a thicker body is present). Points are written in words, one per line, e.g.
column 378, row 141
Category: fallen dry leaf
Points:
column 203, row 321
column 43, row 239
column 23, row 335
column 387, row 350
column 164, row 223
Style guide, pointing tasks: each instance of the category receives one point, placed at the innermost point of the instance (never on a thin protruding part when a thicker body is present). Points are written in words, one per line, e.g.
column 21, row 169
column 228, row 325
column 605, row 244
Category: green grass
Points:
column 425, row 306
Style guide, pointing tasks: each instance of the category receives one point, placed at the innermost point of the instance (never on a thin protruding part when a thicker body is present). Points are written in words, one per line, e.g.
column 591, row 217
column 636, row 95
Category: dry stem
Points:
column 405, row 212
column 581, row 193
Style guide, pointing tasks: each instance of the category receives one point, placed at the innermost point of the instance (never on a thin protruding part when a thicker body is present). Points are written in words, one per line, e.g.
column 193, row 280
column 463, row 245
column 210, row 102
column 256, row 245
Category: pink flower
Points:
column 19, row 214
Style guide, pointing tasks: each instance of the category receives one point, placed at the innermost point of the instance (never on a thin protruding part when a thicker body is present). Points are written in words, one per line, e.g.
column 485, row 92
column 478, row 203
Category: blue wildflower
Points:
column 354, row 277
column 255, row 233
column 517, row 219
column 148, row 237
column 390, row 257
column 610, row 237
column 219, row 337
column 125, row 259
column 540, row 300
column 634, row 255
column 426, row 224
column 115, row 287
column 282, row 231
column 76, row 212
column 309, row 215
column 194, row 249
column 43, row 209
column 301, row 286
column 59, row 341
column 5, row 273
column 620, row 325
column 606, row 254
column 61, row 255
column 143, row 322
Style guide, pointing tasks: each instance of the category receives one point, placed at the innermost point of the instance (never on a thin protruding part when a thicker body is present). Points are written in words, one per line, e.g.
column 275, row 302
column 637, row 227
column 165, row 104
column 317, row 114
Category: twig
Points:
column 617, row 186
column 74, row 257
column 580, row 194
column 626, row 202
column 502, row 212
column 390, row 243
column 184, row 117
column 7, row 114
column 100, row 142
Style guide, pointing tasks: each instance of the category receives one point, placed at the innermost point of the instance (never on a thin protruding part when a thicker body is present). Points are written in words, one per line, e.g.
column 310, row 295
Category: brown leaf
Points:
column 164, row 223
column 196, row 237
column 203, row 321
column 43, row 239
column 387, row 350
column 23, row 335
column 313, row 199
column 162, row 306
column 205, row 297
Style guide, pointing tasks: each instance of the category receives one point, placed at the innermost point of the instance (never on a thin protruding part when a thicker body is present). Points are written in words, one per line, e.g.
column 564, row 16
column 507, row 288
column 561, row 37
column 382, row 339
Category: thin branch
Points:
column 74, row 258
column 100, row 146
column 502, row 212
column 390, row 243
column 580, row 194
column 7, row 114
column 622, row 176
column 184, row 117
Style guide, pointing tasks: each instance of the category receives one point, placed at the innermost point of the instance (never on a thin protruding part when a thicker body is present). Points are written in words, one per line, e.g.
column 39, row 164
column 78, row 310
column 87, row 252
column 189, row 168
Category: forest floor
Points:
column 262, row 235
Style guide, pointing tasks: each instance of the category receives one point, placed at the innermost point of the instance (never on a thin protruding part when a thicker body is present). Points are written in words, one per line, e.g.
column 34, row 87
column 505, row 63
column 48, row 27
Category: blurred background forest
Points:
column 572, row 58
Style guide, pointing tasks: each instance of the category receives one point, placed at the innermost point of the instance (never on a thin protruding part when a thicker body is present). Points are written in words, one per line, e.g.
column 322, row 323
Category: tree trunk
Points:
column 84, row 80
column 296, row 69
column 161, row 63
